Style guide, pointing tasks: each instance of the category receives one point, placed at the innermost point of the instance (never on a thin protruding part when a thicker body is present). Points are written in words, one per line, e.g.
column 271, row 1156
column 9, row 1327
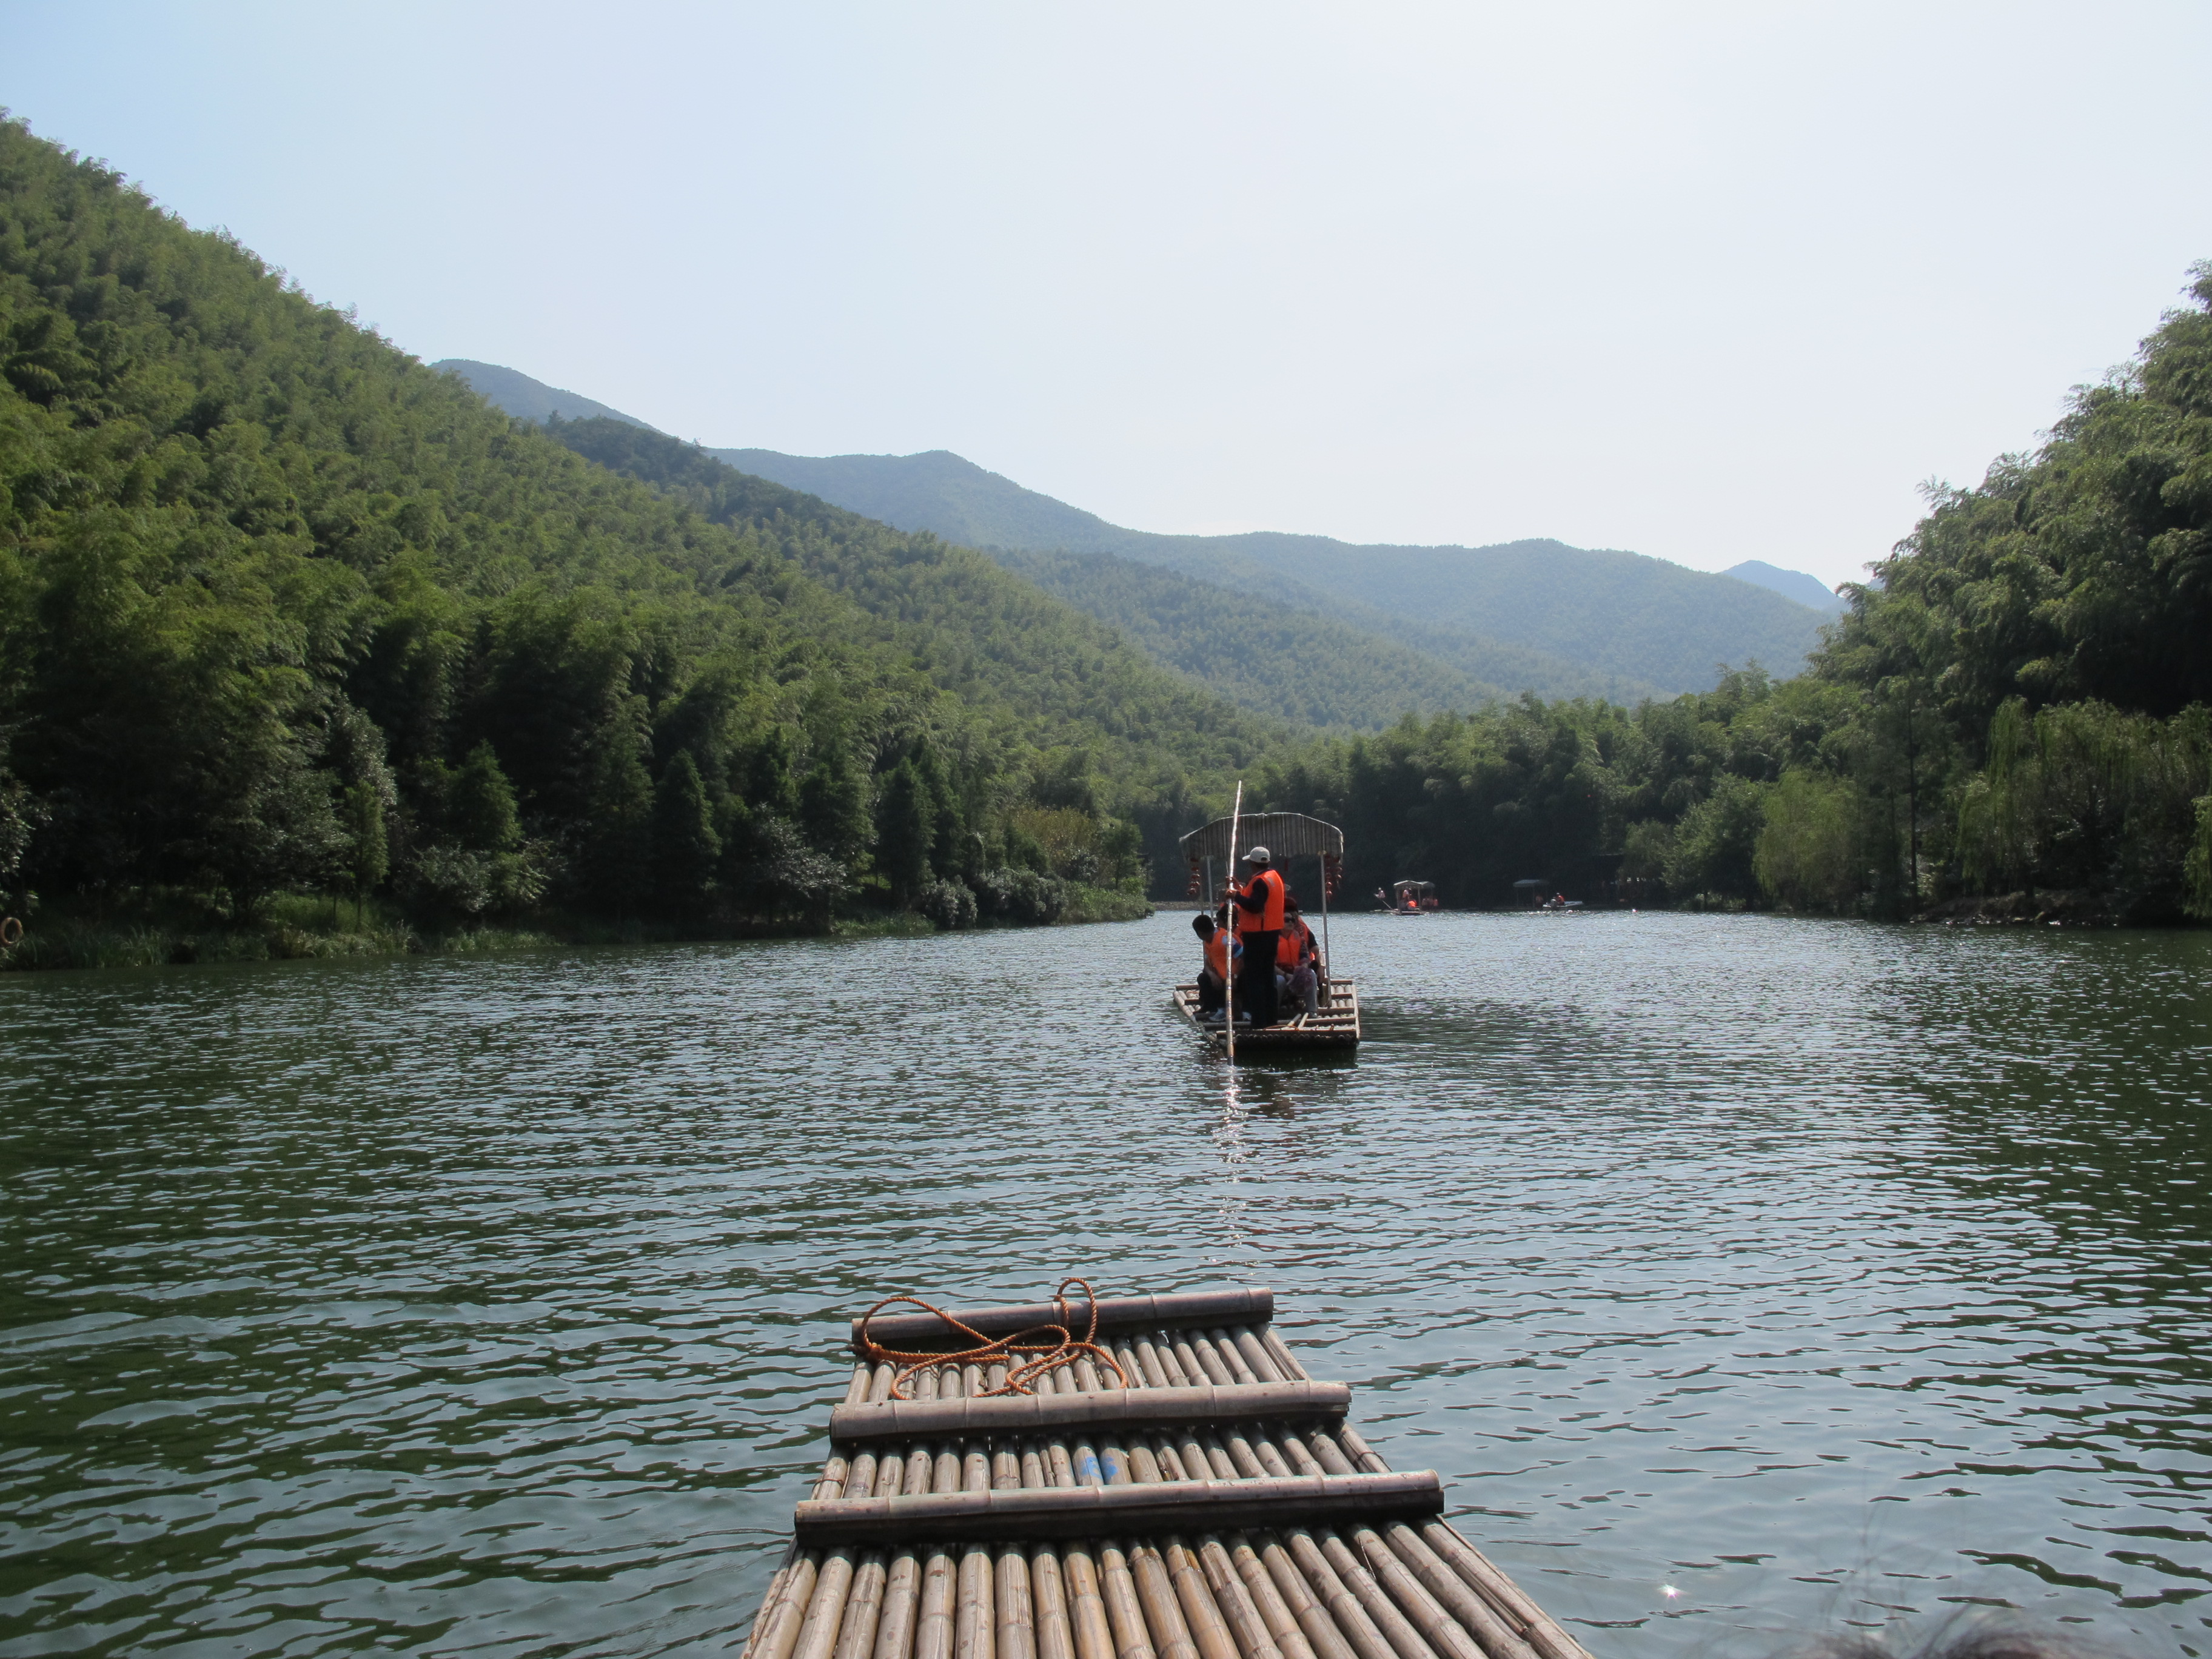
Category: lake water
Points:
column 1744, row 1277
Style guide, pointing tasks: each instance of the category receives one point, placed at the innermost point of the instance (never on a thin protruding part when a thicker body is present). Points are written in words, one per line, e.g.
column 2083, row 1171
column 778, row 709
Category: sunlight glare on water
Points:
column 1744, row 1277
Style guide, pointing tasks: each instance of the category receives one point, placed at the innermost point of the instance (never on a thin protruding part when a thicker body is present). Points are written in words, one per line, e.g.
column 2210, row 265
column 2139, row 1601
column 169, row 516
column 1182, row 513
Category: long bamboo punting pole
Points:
column 1229, row 991
column 1327, row 957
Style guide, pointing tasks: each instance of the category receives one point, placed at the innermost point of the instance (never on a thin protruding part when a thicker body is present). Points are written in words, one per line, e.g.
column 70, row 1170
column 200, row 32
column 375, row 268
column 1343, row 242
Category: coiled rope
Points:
column 1051, row 1355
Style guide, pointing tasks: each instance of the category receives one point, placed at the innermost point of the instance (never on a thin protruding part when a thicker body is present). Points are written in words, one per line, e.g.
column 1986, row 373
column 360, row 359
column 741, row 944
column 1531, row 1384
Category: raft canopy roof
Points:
column 1285, row 835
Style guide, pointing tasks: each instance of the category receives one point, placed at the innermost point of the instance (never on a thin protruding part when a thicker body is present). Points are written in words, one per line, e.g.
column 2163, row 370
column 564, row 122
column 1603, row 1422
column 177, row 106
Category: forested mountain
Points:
column 1537, row 617
column 1260, row 653
column 1117, row 580
column 532, row 400
column 2015, row 718
column 1529, row 616
column 1807, row 590
column 1265, row 657
column 283, row 609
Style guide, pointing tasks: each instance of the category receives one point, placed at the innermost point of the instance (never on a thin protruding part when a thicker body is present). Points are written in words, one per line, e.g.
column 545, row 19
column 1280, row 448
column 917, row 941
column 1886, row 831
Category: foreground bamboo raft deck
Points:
column 1335, row 1024
column 1221, row 1507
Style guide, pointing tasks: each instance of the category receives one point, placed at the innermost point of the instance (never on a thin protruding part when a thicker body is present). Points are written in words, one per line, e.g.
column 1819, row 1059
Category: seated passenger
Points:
column 1298, row 961
column 1213, row 977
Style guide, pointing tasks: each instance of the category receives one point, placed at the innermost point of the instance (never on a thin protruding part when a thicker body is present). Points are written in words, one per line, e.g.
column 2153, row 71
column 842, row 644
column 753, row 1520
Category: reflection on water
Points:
column 1815, row 1272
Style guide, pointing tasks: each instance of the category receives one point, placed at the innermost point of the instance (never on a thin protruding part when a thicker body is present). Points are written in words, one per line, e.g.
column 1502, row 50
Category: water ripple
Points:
column 1824, row 1273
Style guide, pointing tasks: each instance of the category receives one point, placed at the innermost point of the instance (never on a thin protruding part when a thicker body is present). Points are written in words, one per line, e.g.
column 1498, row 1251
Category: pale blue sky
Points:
column 1709, row 282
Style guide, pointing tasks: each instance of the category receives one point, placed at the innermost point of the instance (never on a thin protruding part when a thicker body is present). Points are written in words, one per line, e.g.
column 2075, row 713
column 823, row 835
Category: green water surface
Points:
column 1744, row 1277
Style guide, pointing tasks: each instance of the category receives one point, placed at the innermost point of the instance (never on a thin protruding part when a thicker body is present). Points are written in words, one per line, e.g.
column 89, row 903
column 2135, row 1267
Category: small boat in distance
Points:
column 1335, row 1024
column 1532, row 888
column 1411, row 898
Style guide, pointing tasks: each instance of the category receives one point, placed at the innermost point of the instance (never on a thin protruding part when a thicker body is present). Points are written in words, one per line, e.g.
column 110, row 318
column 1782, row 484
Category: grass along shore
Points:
column 177, row 932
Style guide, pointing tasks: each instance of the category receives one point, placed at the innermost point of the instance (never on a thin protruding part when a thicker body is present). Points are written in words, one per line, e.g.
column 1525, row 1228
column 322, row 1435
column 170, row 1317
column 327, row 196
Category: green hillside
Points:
column 1260, row 655
column 1265, row 657
column 1372, row 649
column 1538, row 615
column 1808, row 591
column 532, row 400
column 283, row 610
column 1529, row 616
column 972, row 626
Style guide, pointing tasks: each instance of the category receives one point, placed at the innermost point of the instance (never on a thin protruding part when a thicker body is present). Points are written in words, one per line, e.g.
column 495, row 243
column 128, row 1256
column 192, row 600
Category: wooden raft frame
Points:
column 1088, row 1521
column 1335, row 1025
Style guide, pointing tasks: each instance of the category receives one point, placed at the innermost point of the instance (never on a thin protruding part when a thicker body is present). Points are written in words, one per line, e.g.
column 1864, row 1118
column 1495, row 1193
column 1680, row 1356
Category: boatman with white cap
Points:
column 1259, row 931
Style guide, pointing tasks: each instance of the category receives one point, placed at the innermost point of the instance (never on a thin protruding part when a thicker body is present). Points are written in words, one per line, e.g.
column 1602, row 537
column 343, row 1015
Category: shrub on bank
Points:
column 168, row 930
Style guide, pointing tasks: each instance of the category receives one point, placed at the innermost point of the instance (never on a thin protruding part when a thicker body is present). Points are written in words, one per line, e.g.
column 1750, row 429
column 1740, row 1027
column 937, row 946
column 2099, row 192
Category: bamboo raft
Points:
column 1335, row 1025
column 1221, row 1507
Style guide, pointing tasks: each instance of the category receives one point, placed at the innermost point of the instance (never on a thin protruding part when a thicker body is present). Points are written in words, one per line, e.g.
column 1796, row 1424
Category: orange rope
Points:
column 1051, row 1355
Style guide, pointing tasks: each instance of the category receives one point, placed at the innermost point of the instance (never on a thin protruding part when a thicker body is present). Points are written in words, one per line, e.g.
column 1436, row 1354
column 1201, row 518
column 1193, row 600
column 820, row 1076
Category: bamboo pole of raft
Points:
column 1229, row 991
column 1089, row 1623
column 1110, row 1580
column 1524, row 1622
column 1388, row 1633
column 849, row 1586
column 934, row 1628
column 975, row 1631
column 1161, row 1611
column 1014, row 1598
column 1359, row 1611
column 792, row 1595
column 1328, row 960
column 902, row 1579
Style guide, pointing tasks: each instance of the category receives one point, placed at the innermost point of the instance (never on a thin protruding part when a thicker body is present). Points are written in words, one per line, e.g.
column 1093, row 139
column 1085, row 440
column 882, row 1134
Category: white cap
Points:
column 1259, row 855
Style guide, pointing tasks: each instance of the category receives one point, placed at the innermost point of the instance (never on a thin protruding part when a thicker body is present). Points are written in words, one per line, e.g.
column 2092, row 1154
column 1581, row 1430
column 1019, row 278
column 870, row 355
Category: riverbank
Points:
column 299, row 927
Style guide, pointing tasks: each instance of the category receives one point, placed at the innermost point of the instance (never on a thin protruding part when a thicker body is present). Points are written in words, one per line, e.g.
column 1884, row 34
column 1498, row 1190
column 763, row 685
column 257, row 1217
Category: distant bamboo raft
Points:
column 1220, row 1507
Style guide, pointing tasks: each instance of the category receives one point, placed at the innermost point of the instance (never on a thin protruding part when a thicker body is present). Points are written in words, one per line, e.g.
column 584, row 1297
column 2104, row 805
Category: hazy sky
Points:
column 1708, row 281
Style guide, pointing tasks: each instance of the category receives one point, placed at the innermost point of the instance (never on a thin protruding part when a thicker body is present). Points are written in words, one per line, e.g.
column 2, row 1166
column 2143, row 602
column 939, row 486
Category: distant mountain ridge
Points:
column 532, row 400
column 1790, row 584
column 1535, row 614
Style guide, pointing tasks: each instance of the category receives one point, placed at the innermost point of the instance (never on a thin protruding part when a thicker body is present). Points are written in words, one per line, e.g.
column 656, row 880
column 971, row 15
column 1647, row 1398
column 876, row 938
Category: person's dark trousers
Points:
column 1211, row 993
column 1255, row 976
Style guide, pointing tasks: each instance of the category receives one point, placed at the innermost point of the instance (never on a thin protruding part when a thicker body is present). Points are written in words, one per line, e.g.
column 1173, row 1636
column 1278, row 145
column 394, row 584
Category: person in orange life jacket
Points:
column 1298, row 961
column 1258, row 931
column 1213, row 978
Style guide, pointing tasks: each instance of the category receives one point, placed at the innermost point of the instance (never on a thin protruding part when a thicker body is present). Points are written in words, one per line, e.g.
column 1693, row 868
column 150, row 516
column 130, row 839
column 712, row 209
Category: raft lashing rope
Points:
column 1054, row 1345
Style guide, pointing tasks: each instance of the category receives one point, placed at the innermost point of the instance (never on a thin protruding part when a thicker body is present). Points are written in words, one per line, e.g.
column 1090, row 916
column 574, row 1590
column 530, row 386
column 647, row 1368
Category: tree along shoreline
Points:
column 2017, row 704
column 309, row 928
column 283, row 611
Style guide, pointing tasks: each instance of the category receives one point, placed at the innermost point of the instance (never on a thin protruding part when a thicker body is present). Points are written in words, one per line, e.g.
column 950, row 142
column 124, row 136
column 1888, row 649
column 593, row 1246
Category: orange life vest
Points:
column 1259, row 907
column 1217, row 954
column 1296, row 944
